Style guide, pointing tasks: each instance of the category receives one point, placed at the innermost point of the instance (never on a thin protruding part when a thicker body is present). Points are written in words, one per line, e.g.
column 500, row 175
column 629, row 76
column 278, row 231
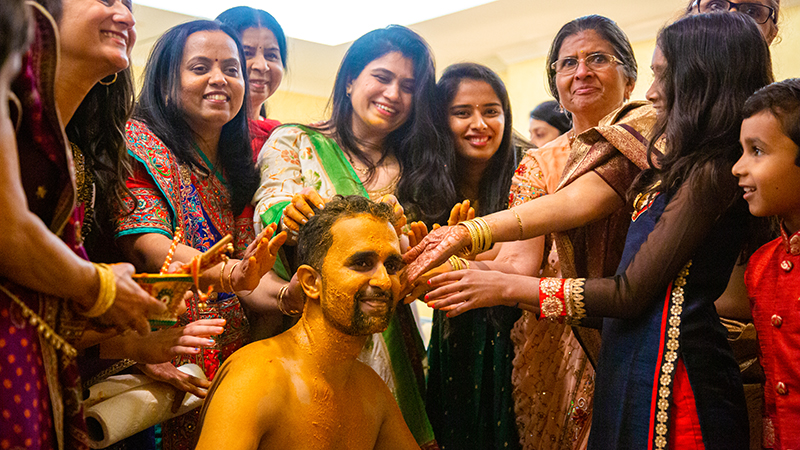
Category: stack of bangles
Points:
column 481, row 236
column 108, row 291
column 458, row 263
column 561, row 299
column 291, row 312
column 222, row 287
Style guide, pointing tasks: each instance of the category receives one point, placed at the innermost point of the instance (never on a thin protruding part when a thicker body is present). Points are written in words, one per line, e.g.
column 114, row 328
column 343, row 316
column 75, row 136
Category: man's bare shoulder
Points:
column 246, row 396
column 371, row 385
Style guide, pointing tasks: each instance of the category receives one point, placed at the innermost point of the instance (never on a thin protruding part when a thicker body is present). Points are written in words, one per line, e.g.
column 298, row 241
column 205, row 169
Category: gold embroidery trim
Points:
column 573, row 300
column 551, row 305
column 47, row 332
column 668, row 364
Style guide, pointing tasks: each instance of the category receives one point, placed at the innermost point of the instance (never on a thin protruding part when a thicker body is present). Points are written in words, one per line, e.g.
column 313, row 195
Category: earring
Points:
column 109, row 83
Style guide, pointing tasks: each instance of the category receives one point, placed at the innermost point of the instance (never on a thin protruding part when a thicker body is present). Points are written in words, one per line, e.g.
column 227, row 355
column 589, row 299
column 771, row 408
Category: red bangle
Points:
column 551, row 298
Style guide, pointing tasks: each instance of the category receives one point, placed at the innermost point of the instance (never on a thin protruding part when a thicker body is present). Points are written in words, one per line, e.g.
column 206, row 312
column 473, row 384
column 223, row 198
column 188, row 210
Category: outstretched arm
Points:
column 684, row 224
column 585, row 200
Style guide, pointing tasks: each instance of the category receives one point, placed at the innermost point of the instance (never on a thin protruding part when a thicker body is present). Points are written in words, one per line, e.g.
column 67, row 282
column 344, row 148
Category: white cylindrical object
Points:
column 136, row 408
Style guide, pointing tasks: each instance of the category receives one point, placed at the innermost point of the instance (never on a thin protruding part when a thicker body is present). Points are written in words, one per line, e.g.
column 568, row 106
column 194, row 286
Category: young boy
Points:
column 769, row 172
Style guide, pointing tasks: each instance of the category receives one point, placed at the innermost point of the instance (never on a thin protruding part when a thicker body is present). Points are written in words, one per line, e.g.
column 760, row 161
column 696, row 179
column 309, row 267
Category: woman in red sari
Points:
column 264, row 46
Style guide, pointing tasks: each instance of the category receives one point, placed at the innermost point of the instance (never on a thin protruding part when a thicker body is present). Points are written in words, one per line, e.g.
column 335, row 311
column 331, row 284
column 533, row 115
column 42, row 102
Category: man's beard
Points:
column 362, row 324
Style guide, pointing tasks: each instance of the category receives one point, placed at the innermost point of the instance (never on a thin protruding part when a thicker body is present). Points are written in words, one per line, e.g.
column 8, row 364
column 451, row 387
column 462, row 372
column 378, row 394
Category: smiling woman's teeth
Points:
column 479, row 140
column 385, row 108
column 111, row 35
column 219, row 97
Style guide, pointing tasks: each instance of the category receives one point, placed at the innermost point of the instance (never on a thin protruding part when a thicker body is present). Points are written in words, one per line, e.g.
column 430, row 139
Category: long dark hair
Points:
column 98, row 128
column 240, row 18
column 714, row 62
column 159, row 108
column 418, row 146
column 495, row 181
column 608, row 31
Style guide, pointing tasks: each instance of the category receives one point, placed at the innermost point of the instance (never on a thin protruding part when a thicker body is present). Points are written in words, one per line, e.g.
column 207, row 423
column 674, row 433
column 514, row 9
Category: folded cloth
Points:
column 124, row 405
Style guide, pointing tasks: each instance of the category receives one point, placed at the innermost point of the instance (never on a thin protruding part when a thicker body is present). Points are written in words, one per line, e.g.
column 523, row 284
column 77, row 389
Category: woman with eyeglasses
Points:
column 763, row 12
column 666, row 377
column 592, row 71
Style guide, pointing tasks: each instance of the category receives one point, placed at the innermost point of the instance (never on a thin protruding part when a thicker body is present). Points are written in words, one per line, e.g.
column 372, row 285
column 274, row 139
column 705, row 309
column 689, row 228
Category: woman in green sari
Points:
column 380, row 141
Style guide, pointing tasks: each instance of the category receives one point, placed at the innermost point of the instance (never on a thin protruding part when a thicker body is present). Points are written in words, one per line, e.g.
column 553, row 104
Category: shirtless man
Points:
column 304, row 389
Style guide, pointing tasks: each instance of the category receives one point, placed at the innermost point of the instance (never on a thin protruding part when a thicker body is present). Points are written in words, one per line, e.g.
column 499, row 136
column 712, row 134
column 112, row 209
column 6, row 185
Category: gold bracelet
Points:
column 474, row 235
column 281, row 294
column 225, row 260
column 519, row 222
column 107, row 293
column 464, row 263
column 230, row 276
column 486, row 234
column 455, row 263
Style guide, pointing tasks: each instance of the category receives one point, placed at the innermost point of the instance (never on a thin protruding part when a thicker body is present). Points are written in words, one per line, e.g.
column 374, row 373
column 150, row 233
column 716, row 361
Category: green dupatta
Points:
column 399, row 339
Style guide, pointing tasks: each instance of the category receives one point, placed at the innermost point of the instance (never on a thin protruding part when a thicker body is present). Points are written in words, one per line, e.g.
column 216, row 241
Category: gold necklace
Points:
column 353, row 164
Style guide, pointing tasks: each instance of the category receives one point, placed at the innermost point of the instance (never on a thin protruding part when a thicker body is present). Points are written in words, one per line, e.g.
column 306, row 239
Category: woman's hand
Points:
column 463, row 290
column 132, row 305
column 183, row 382
column 417, row 232
column 297, row 213
column 434, row 250
column 420, row 286
column 163, row 345
column 461, row 212
column 294, row 298
column 399, row 220
column 258, row 259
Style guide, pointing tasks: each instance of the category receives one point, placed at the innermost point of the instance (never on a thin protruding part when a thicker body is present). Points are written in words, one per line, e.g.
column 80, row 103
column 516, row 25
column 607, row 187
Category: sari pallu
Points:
column 296, row 157
column 169, row 194
column 616, row 150
column 40, row 402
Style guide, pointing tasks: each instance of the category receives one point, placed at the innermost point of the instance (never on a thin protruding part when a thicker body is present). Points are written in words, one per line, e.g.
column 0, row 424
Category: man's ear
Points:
column 310, row 280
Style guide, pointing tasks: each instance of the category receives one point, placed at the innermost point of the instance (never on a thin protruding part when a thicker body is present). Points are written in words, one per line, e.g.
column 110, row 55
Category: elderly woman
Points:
column 264, row 46
column 763, row 12
column 592, row 71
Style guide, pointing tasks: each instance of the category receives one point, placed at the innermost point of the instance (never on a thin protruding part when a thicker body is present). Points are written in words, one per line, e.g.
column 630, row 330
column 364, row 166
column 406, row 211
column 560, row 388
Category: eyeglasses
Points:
column 594, row 62
column 758, row 12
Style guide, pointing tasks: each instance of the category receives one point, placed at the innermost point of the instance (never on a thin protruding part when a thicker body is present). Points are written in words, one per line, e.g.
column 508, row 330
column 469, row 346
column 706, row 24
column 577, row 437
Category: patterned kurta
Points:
column 170, row 194
column 773, row 286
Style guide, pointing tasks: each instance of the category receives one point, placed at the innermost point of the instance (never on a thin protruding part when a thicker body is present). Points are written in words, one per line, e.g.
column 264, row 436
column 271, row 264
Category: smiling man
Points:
column 305, row 389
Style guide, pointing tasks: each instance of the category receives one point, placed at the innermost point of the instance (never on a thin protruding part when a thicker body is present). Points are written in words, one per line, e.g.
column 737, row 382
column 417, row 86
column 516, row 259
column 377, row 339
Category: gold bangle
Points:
column 474, row 235
column 225, row 260
column 455, row 263
column 519, row 222
column 230, row 276
column 107, row 293
column 486, row 234
column 281, row 294
column 464, row 263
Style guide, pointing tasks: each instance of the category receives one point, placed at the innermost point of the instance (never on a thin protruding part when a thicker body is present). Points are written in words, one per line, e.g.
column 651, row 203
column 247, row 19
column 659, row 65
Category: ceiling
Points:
column 497, row 34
